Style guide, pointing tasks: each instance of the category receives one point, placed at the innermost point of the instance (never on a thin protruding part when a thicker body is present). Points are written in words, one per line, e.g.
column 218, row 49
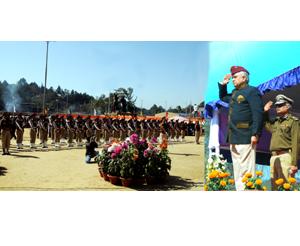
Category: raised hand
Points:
column 268, row 106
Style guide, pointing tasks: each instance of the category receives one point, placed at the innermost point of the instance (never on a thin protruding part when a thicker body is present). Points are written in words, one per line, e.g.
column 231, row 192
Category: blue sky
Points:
column 264, row 60
column 165, row 73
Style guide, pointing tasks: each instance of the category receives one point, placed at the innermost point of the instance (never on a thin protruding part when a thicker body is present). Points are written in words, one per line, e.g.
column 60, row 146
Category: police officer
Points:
column 33, row 123
column 20, row 124
column 245, row 122
column 197, row 132
column 6, row 125
column 284, row 141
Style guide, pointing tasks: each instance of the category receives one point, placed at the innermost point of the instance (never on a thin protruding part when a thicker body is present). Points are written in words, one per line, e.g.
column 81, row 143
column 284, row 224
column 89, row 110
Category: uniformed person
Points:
column 245, row 120
column 70, row 124
column 79, row 127
column 33, row 123
column 5, row 126
column 197, row 132
column 20, row 124
column 43, row 130
column 284, row 140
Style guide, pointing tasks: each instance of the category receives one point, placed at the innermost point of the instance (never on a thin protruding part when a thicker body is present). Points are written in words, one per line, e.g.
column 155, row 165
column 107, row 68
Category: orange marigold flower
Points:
column 231, row 181
column 286, row 186
column 248, row 175
column 213, row 174
column 223, row 183
column 258, row 182
column 249, row 184
column 245, row 179
column 292, row 180
column 227, row 175
column 279, row 181
column 264, row 188
column 259, row 173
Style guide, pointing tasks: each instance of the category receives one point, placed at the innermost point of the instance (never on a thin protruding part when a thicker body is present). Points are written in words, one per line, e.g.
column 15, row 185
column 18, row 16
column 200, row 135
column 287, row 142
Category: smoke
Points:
column 11, row 98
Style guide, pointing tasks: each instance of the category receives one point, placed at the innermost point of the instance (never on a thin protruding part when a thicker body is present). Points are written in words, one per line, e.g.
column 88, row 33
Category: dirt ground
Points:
column 65, row 169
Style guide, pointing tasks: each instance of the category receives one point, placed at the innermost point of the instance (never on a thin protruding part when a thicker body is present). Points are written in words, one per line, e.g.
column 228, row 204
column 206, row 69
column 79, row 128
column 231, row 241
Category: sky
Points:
column 264, row 60
column 163, row 73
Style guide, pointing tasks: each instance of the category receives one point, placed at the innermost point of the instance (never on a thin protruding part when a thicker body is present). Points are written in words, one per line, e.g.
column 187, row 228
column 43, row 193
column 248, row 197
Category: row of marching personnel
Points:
column 78, row 130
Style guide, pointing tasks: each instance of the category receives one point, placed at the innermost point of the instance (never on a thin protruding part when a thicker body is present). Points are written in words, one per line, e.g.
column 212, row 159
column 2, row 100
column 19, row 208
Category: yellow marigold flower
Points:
column 249, row 184
column 286, row 186
column 248, row 175
column 205, row 188
column 223, row 183
column 245, row 179
column 264, row 188
column 231, row 181
column 259, row 173
column 258, row 182
column 279, row 181
column 292, row 180
column 252, row 187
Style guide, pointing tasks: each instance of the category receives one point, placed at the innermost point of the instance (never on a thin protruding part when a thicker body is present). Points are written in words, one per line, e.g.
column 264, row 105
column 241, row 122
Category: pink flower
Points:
column 154, row 140
column 145, row 153
column 134, row 138
column 118, row 150
column 113, row 155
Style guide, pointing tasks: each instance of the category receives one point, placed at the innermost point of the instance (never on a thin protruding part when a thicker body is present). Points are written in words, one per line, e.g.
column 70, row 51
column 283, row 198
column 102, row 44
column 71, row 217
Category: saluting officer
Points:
column 284, row 141
column 245, row 122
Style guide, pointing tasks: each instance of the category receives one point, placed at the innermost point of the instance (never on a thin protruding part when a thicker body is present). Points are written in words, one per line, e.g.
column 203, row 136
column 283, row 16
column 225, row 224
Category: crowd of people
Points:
column 79, row 130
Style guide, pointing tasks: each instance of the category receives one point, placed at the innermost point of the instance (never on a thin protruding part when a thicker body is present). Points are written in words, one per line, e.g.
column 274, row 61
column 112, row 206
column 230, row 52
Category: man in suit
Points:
column 245, row 122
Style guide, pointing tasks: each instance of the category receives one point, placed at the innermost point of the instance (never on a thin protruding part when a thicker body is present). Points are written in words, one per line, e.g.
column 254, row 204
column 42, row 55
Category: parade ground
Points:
column 65, row 169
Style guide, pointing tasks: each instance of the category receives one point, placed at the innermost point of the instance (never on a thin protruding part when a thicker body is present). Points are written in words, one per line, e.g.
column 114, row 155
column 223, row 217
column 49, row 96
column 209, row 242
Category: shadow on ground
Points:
column 25, row 156
column 3, row 171
column 171, row 153
column 171, row 183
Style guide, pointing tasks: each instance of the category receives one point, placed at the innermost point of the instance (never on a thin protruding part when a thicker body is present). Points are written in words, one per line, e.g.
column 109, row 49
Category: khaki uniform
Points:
column 5, row 125
column 283, row 146
column 20, row 131
column 197, row 132
column 33, row 131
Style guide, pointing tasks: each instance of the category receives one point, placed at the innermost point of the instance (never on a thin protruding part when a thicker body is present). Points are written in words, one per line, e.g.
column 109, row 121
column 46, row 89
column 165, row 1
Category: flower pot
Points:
column 161, row 179
column 126, row 182
column 113, row 179
column 151, row 180
column 139, row 181
column 105, row 176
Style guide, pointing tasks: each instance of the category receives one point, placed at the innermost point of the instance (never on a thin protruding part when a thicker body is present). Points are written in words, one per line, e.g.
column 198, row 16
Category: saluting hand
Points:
column 226, row 79
column 268, row 106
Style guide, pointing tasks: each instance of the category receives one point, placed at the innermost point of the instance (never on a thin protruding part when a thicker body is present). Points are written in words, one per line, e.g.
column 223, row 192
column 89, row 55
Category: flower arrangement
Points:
column 254, row 182
column 218, row 177
column 135, row 159
column 290, row 185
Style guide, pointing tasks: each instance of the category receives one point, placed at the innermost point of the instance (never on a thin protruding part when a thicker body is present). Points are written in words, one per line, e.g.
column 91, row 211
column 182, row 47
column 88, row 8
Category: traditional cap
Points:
column 280, row 99
column 237, row 69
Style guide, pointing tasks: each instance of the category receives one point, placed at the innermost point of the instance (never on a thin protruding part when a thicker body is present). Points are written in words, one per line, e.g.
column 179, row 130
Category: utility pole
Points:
column 44, row 96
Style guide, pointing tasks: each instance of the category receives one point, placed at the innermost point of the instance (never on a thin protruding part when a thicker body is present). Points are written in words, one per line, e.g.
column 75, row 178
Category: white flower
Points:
column 112, row 148
column 210, row 160
column 216, row 164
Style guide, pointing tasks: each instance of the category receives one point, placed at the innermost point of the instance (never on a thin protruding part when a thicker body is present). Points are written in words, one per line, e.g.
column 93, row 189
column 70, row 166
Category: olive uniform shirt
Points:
column 245, row 118
column 284, row 134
